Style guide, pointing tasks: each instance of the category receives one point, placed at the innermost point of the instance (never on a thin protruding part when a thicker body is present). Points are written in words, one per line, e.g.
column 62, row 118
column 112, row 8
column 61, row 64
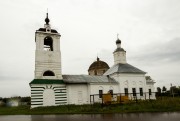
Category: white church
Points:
column 51, row 88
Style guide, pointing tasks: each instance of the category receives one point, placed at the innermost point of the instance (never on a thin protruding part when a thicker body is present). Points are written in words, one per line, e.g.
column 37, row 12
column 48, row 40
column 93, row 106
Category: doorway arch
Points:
column 48, row 97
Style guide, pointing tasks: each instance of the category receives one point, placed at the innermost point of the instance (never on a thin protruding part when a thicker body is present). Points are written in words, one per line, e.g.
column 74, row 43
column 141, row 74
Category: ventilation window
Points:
column 48, row 73
column 95, row 72
column 48, row 44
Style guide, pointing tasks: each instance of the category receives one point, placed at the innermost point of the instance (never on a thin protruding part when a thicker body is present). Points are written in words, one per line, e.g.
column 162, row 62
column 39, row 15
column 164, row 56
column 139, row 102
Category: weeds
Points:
column 159, row 105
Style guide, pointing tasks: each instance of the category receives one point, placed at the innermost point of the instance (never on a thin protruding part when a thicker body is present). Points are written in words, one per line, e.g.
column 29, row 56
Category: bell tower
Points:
column 47, row 87
column 47, row 54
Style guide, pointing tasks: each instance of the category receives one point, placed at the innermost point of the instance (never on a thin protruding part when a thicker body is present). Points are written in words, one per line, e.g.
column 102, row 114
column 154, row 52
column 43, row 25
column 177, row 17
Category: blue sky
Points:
column 149, row 31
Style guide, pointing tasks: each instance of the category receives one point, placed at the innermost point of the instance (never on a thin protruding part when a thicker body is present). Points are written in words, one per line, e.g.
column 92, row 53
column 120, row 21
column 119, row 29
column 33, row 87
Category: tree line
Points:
column 22, row 100
column 173, row 91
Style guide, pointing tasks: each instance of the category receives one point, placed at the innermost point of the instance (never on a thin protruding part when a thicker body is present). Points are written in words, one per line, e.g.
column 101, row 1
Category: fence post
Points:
column 120, row 98
column 90, row 99
column 102, row 100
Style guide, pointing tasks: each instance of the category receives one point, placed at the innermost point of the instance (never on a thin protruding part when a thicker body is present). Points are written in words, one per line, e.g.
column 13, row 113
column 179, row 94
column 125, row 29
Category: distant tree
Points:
column 5, row 100
column 164, row 89
column 25, row 99
column 175, row 90
column 158, row 90
column 158, row 93
column 148, row 78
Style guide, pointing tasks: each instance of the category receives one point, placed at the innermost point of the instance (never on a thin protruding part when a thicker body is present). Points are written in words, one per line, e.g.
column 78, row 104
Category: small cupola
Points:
column 118, row 41
column 47, row 25
column 119, row 53
column 118, row 44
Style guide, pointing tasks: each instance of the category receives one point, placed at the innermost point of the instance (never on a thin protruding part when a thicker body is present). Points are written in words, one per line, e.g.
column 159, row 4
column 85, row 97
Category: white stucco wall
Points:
column 78, row 94
column 119, row 57
column 150, row 86
column 130, row 81
column 94, row 88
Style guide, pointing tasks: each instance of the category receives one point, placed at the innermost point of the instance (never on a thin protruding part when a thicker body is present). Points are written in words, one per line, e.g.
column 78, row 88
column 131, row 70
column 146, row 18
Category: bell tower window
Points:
column 48, row 44
column 48, row 73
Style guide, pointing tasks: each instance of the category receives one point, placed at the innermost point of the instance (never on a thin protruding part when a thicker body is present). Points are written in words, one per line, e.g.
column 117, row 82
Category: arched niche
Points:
column 48, row 97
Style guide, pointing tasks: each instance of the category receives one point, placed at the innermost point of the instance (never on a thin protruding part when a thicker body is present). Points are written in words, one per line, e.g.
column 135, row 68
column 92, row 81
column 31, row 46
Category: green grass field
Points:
column 159, row 105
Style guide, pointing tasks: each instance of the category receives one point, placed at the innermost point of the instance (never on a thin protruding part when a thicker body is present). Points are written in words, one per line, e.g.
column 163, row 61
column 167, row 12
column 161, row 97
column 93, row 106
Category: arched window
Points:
column 48, row 73
column 48, row 43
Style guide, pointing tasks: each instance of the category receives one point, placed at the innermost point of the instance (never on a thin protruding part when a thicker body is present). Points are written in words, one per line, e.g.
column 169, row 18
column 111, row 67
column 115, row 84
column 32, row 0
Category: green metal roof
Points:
column 46, row 81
